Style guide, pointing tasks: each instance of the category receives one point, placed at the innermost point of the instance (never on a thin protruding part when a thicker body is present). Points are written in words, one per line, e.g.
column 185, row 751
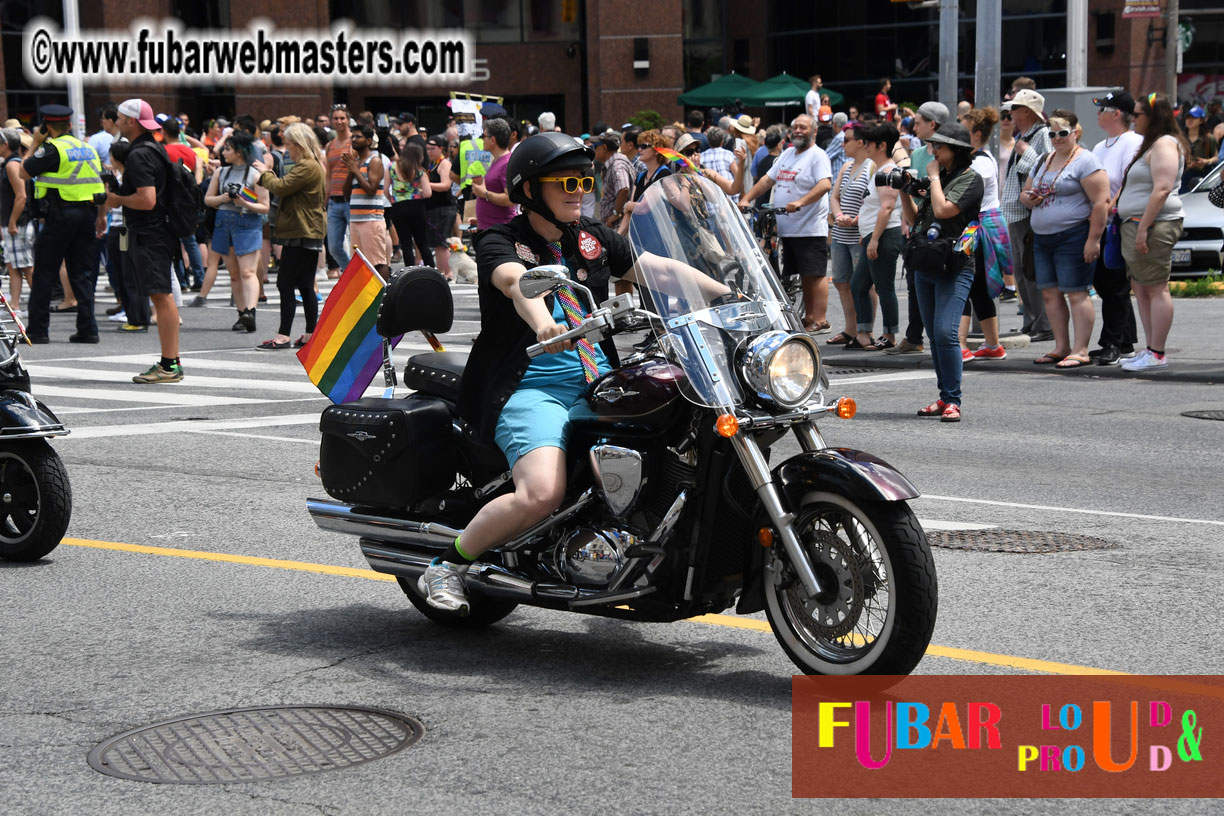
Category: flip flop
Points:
column 272, row 345
column 1073, row 361
column 1048, row 358
column 839, row 339
column 855, row 344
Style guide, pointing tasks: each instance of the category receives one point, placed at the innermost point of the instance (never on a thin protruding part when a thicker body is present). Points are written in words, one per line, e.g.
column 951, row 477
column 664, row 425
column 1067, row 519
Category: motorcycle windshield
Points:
column 701, row 270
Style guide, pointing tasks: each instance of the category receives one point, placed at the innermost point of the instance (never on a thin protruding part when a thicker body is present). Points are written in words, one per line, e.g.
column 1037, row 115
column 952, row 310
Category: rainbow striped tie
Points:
column 573, row 314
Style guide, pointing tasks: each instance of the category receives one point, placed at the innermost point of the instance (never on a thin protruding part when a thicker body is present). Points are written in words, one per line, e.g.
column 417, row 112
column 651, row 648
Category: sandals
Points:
column 1073, row 361
column 301, row 342
column 272, row 345
column 839, row 339
column 881, row 344
column 951, row 414
column 1049, row 358
column 936, row 408
column 855, row 344
column 823, row 327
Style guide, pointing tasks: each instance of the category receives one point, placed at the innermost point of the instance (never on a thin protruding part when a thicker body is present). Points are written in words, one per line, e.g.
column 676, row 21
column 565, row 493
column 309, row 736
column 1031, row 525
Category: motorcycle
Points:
column 35, row 496
column 672, row 507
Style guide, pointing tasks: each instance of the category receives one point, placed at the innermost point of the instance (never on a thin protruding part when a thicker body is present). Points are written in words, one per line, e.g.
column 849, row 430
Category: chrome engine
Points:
column 591, row 558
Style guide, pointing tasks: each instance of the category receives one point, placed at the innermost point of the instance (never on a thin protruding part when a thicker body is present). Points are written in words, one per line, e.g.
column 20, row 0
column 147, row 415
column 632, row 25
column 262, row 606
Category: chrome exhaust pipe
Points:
column 338, row 517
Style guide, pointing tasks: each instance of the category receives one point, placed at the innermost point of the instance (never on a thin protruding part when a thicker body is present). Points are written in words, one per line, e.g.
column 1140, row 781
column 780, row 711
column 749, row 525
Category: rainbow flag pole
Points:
column 345, row 350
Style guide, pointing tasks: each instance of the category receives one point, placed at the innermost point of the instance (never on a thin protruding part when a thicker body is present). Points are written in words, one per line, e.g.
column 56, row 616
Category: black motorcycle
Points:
column 672, row 508
column 35, row 497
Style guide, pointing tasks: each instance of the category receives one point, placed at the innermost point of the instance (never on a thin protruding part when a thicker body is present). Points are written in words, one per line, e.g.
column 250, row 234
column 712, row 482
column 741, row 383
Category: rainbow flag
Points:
column 249, row 194
column 345, row 351
column 672, row 156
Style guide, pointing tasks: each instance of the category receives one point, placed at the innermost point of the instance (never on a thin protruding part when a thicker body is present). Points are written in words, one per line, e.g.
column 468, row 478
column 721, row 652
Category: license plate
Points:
column 1181, row 257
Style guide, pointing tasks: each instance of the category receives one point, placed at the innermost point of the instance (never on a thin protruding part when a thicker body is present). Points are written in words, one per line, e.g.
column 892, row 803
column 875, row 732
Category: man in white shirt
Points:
column 811, row 102
column 1118, row 332
column 801, row 179
column 101, row 141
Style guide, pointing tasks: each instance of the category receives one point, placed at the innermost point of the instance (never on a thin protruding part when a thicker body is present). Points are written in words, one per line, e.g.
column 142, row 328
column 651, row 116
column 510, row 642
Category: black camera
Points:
column 899, row 179
column 233, row 189
column 112, row 183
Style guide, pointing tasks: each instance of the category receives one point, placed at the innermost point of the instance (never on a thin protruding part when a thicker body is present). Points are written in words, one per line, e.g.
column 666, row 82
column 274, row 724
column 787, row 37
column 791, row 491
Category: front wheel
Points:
column 877, row 612
column 483, row 612
column 35, row 500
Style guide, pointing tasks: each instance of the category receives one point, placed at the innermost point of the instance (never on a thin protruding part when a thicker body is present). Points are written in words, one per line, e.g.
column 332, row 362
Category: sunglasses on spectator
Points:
column 690, row 151
column 1061, row 133
column 571, row 184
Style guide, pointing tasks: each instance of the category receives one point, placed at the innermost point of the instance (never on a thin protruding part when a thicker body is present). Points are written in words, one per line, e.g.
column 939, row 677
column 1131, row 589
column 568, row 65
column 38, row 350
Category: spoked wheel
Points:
column 877, row 612
column 35, row 500
column 484, row 611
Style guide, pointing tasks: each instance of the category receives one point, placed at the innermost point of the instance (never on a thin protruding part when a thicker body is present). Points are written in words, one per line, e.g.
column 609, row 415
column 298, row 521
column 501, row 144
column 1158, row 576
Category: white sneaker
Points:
column 119, row 317
column 443, row 587
column 1146, row 361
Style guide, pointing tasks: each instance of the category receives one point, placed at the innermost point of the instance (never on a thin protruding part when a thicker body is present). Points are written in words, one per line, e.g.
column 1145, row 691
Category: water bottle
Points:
column 934, row 232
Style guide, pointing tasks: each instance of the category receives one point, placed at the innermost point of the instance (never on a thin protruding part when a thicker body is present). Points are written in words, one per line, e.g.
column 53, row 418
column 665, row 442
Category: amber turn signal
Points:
column 317, row 470
column 727, row 425
column 765, row 537
column 846, row 408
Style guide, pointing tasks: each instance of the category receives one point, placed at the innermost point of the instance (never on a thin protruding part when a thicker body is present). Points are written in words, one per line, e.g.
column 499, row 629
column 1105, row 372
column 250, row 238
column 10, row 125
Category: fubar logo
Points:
column 997, row 736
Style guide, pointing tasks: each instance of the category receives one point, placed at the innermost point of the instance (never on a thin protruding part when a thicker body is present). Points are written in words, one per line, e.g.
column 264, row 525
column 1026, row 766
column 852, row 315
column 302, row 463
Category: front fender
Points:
column 23, row 417
column 850, row 473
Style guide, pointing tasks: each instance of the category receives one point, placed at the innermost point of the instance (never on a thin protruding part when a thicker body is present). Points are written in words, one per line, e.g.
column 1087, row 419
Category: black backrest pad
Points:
column 418, row 298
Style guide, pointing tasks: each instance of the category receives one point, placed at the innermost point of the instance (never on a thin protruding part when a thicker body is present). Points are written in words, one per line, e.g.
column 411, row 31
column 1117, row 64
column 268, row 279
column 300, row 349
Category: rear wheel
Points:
column 35, row 500
column 484, row 611
column 877, row 613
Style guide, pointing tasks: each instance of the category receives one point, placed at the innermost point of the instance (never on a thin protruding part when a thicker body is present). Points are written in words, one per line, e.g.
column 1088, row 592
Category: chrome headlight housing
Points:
column 782, row 366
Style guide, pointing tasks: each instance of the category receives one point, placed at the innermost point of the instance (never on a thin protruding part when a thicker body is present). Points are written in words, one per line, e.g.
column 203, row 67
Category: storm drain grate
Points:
column 835, row 371
column 254, row 744
column 1204, row 414
column 1016, row 541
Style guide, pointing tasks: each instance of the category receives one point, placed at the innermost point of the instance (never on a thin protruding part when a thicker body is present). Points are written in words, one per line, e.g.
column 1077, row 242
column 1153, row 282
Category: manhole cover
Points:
column 1204, row 414
column 837, row 371
column 1015, row 541
column 254, row 744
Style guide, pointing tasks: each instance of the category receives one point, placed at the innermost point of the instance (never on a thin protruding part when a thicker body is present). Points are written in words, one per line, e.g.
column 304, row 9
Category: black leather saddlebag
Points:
column 387, row 453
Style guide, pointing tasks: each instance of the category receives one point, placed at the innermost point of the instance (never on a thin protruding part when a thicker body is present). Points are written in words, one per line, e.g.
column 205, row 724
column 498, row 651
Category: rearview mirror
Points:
column 542, row 280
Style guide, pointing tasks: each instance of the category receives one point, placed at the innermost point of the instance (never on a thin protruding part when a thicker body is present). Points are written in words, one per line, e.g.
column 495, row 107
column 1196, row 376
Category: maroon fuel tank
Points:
column 642, row 398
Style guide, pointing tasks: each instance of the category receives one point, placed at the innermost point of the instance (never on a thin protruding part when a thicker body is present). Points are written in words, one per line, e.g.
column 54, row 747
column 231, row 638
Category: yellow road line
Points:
column 966, row 655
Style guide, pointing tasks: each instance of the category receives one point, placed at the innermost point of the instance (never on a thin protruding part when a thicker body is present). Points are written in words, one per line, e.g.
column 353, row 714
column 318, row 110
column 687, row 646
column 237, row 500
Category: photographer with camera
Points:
column 240, row 202
column 68, row 189
column 942, row 271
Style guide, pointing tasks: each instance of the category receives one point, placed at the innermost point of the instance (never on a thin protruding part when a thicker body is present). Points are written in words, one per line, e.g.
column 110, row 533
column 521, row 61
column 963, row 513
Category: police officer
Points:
column 68, row 185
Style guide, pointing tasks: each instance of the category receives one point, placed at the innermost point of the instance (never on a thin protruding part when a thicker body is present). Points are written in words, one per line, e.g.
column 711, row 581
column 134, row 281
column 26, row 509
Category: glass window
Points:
column 551, row 20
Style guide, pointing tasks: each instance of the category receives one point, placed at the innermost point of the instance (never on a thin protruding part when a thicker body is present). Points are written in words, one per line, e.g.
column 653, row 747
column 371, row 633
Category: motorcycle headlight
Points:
column 783, row 367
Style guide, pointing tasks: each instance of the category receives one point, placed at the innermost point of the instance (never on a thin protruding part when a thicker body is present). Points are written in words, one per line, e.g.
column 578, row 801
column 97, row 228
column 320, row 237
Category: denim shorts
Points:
column 845, row 258
column 241, row 230
column 1058, row 260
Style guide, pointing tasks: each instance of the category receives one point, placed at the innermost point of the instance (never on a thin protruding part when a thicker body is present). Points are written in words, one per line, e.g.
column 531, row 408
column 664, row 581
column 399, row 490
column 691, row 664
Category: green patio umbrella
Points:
column 785, row 90
column 722, row 91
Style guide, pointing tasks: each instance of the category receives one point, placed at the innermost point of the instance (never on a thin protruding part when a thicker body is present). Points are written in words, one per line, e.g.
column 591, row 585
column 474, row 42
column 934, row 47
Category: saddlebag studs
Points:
column 618, row 474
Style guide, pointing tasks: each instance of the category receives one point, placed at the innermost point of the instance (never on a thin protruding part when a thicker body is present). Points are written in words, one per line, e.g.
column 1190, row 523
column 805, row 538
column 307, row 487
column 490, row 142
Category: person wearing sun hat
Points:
column 1033, row 141
column 953, row 200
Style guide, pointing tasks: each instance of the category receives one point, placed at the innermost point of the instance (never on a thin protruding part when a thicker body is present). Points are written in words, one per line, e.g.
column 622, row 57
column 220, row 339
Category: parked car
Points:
column 1201, row 248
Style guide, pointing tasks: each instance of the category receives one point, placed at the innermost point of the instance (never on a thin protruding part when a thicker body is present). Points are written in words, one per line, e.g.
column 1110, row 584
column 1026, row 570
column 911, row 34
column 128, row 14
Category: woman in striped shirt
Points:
column 853, row 182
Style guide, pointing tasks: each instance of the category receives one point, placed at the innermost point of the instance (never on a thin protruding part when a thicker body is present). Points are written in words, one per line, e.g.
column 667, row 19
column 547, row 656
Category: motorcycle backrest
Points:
column 417, row 298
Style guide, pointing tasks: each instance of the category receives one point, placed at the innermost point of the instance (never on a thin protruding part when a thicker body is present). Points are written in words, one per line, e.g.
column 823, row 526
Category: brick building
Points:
column 589, row 61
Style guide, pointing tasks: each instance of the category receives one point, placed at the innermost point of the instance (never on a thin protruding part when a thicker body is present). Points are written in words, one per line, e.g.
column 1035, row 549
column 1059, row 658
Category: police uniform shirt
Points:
column 144, row 168
column 46, row 159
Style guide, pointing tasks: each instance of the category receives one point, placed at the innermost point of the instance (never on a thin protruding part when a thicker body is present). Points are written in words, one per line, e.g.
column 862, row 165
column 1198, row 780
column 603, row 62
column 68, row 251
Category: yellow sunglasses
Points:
column 571, row 184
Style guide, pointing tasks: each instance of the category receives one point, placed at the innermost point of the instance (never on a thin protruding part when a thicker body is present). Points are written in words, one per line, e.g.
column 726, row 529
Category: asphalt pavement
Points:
column 194, row 581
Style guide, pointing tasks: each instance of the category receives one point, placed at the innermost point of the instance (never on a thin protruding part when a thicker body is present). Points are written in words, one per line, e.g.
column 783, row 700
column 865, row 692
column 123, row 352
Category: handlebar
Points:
column 602, row 319
column 576, row 333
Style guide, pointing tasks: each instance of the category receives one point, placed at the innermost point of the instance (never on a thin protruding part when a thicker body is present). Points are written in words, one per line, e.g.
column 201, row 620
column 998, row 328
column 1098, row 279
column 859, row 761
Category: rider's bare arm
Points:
column 663, row 268
column 533, row 311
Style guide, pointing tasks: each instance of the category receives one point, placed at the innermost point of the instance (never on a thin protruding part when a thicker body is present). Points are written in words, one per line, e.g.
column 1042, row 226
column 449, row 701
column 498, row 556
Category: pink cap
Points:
column 140, row 110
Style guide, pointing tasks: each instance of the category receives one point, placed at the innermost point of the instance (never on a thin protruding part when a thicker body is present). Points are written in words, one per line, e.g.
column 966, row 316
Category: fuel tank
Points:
column 643, row 398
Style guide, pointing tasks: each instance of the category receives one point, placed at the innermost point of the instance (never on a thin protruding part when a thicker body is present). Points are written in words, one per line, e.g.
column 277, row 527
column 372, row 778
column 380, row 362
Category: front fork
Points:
column 757, row 468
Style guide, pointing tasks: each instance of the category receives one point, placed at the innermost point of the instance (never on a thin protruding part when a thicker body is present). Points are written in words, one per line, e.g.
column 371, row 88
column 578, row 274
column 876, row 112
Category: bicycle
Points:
column 764, row 223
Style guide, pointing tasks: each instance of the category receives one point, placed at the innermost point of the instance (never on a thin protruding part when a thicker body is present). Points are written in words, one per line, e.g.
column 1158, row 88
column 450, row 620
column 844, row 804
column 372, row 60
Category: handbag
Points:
column 1112, row 254
column 932, row 257
column 1216, row 196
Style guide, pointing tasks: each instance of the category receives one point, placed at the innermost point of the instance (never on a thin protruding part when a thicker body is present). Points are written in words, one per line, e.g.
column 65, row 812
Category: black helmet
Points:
column 542, row 154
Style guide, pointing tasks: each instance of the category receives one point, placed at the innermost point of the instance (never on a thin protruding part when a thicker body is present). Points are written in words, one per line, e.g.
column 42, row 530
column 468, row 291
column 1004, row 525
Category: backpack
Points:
column 184, row 202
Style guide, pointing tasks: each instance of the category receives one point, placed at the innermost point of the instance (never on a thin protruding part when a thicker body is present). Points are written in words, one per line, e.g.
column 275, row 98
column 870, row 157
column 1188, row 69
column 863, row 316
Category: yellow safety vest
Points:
column 79, row 176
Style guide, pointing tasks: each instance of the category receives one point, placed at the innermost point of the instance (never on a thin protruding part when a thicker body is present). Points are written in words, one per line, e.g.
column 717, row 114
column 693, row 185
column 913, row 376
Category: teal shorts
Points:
column 537, row 416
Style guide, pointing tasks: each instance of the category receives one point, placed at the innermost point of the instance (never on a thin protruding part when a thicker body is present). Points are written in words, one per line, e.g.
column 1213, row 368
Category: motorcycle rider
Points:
column 522, row 404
